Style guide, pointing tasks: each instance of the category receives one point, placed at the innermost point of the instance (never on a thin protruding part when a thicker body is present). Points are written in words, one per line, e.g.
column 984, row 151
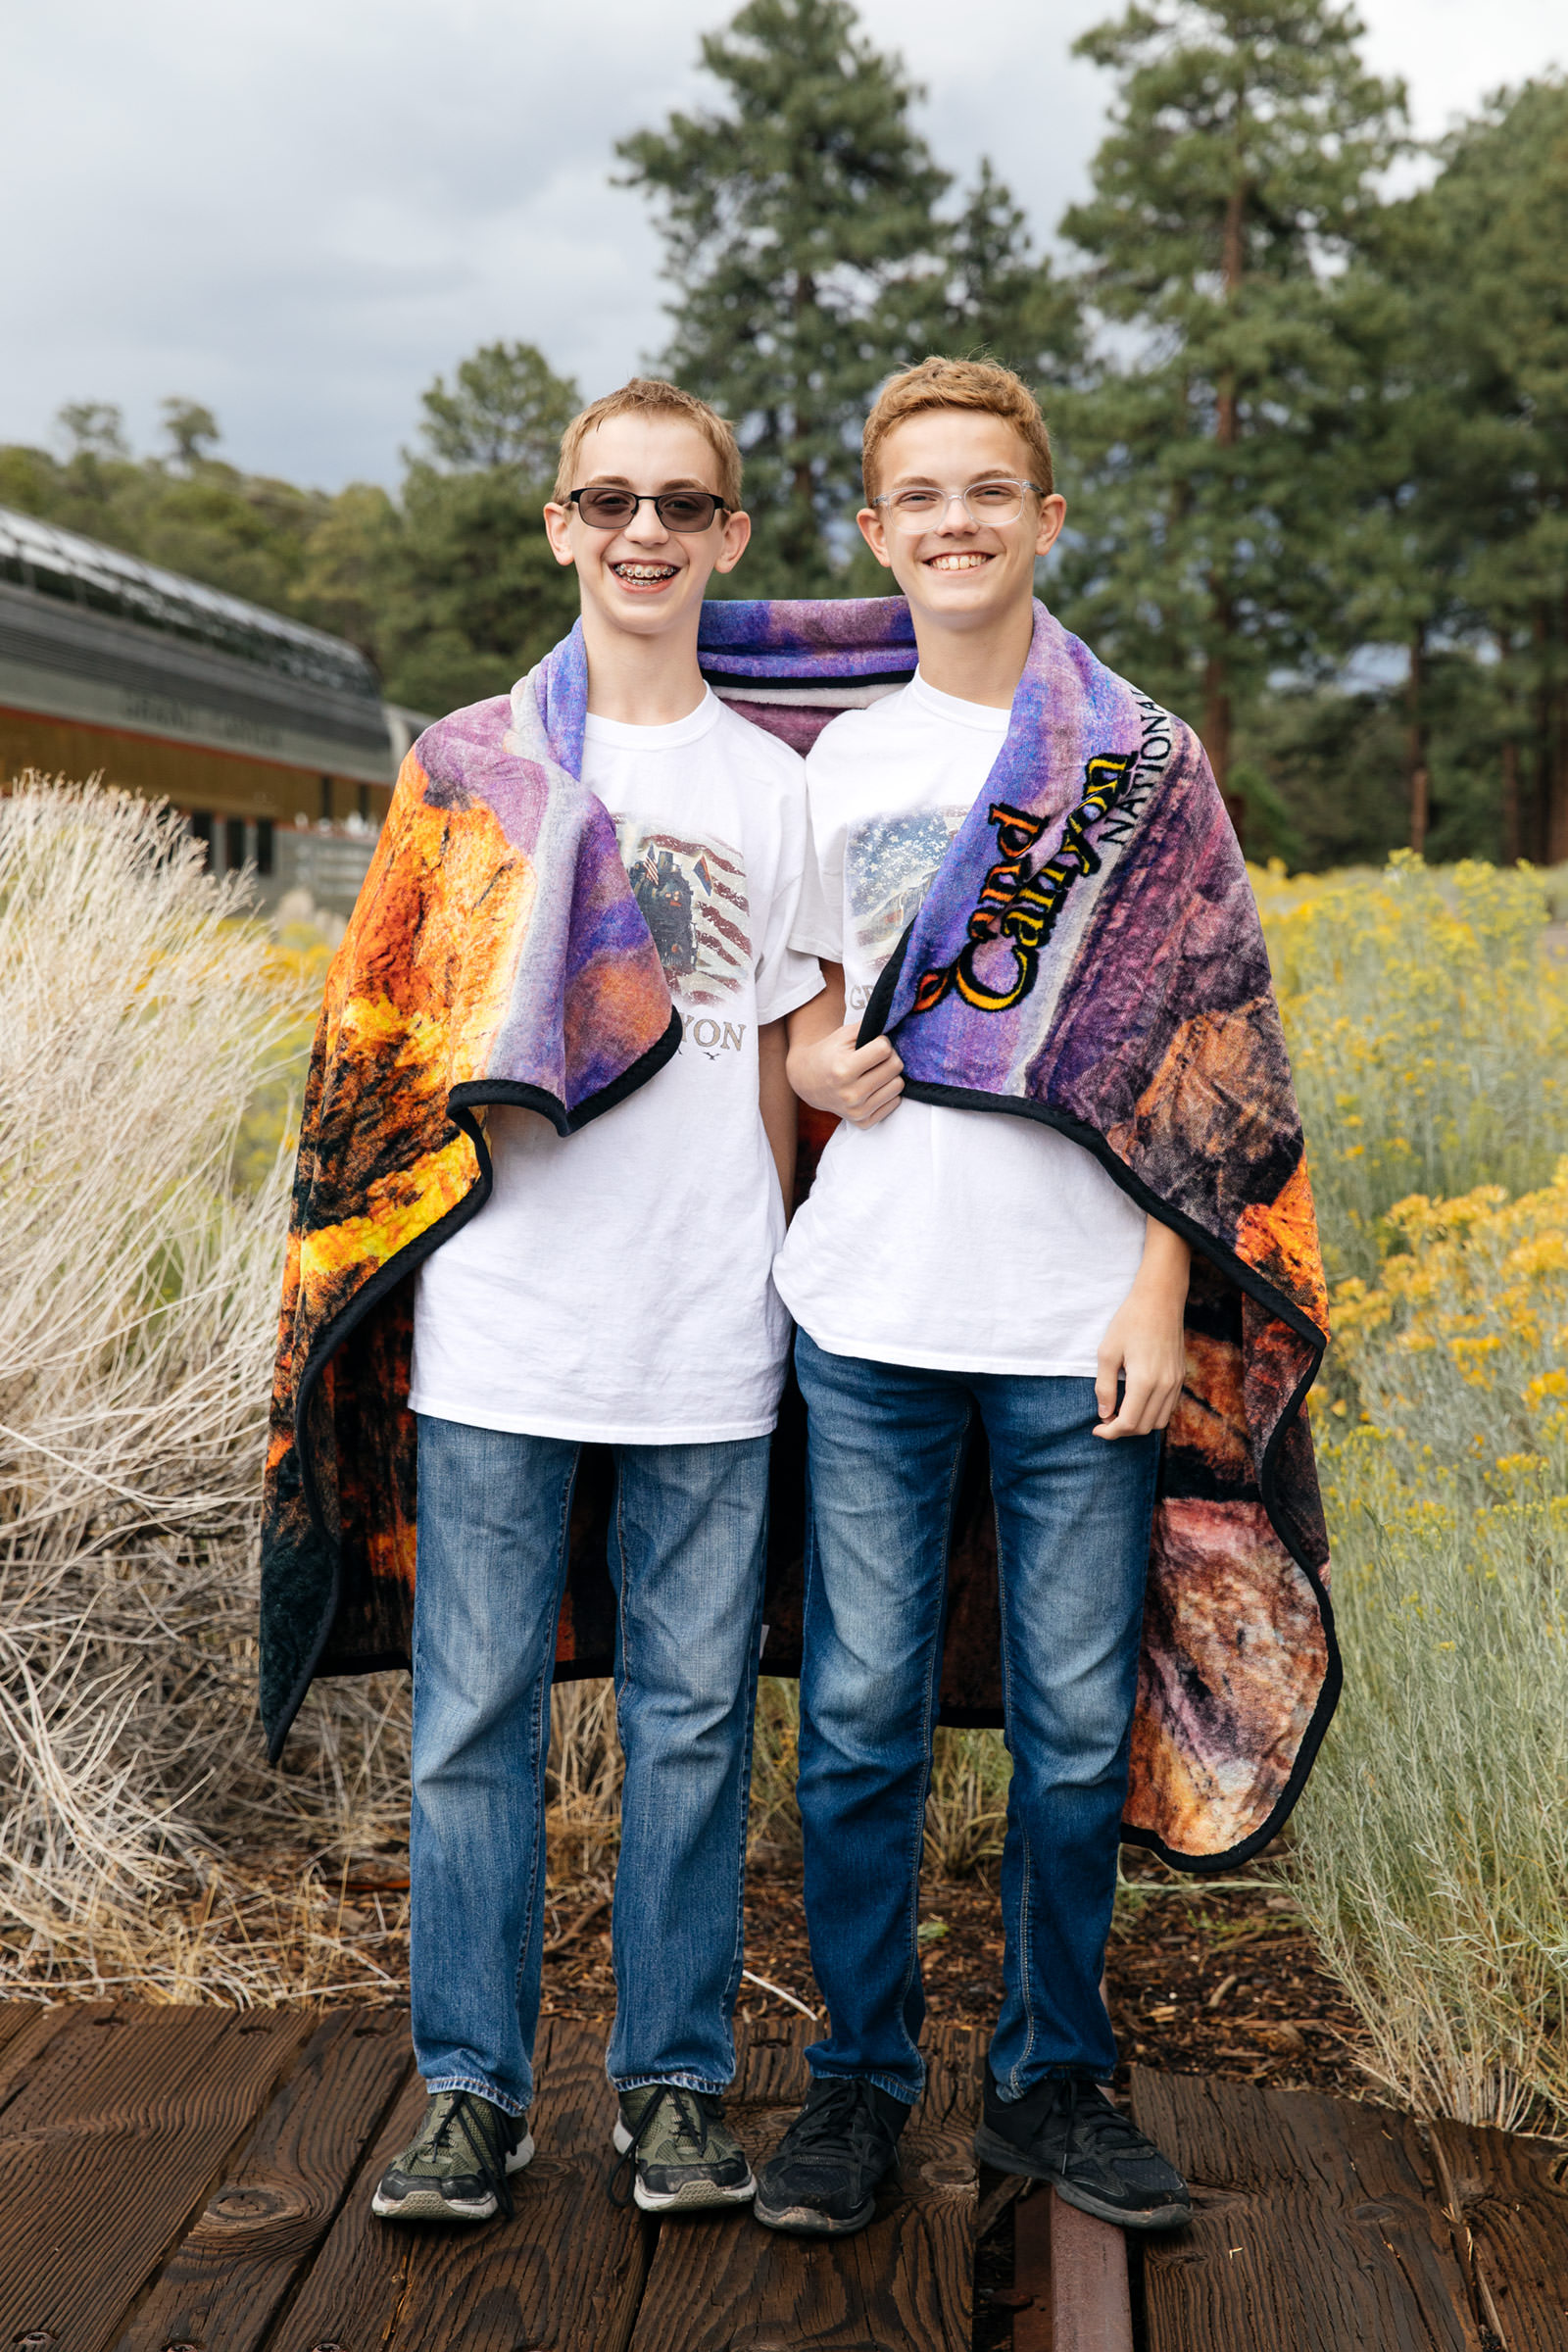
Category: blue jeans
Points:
column 1073, row 1519
column 687, row 1545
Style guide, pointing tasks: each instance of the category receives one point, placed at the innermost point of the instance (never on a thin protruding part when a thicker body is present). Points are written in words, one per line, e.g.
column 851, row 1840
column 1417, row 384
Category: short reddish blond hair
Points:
column 650, row 395
column 957, row 384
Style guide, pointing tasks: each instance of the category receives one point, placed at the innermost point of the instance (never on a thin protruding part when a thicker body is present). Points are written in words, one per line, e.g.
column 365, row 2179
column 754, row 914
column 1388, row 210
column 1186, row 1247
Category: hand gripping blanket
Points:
column 1088, row 954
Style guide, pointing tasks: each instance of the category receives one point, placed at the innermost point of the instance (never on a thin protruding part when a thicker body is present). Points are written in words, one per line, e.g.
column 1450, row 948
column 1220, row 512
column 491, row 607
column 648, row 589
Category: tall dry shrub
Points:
column 1431, row 1853
column 138, row 1289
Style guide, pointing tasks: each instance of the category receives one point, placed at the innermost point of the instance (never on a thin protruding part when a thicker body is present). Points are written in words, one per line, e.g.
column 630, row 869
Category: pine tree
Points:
column 810, row 258
column 997, row 300
column 1480, row 257
column 798, row 224
column 1238, row 173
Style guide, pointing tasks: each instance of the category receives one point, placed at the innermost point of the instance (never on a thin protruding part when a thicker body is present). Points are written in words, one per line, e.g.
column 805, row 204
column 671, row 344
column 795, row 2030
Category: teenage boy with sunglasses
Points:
column 615, row 1288
column 950, row 1264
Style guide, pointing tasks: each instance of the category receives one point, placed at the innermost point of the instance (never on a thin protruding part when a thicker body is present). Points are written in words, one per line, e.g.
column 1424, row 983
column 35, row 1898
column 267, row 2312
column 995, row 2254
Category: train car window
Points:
column 233, row 844
column 199, row 823
column 266, row 855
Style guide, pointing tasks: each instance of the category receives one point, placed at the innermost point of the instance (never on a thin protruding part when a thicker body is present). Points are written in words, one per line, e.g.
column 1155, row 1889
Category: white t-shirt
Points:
column 617, row 1284
column 968, row 1241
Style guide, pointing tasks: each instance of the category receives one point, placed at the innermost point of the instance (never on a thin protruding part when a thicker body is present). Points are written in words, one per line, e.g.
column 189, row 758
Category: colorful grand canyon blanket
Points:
column 1088, row 954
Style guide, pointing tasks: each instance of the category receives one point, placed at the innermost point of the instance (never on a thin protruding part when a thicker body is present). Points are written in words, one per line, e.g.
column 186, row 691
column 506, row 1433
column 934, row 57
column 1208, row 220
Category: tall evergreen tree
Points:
column 1481, row 259
column 798, row 224
column 997, row 297
column 1239, row 171
column 810, row 258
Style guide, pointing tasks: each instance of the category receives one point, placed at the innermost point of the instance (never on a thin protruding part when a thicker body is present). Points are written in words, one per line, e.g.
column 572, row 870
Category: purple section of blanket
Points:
column 585, row 968
column 809, row 638
column 463, row 759
column 798, row 725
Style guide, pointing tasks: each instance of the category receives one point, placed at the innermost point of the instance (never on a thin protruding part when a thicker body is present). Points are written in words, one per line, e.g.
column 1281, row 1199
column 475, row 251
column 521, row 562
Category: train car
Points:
column 272, row 737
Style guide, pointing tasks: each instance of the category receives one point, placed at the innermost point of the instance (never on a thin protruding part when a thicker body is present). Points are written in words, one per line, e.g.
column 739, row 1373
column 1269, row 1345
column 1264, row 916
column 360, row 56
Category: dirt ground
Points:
column 1203, row 1978
column 1200, row 1982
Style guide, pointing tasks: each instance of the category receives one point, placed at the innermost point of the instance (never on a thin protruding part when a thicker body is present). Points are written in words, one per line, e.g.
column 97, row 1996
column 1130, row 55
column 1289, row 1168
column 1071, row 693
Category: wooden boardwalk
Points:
column 193, row 2180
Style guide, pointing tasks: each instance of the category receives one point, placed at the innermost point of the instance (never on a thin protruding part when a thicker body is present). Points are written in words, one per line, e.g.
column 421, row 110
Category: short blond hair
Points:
column 957, row 384
column 650, row 395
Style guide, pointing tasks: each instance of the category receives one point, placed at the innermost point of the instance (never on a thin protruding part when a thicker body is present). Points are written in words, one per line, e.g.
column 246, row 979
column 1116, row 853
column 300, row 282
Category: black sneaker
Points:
column 824, row 2178
column 455, row 2168
column 681, row 2153
column 1067, row 2132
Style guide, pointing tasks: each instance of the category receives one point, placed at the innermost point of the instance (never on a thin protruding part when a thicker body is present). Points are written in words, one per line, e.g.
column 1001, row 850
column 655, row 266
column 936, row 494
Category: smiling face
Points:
column 957, row 573
column 644, row 579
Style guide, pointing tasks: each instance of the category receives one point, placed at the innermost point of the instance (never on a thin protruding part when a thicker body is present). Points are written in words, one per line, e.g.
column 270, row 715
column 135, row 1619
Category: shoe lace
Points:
column 460, row 2107
column 688, row 2128
column 1108, row 2123
column 838, row 2110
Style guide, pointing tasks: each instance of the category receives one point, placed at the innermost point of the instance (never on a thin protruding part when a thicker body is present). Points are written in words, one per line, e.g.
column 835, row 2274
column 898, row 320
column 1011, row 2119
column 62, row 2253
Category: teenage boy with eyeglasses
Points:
column 615, row 1287
column 1071, row 1359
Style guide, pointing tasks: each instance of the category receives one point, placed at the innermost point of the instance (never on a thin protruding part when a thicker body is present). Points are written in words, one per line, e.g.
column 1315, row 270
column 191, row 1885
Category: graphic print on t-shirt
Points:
column 890, row 862
column 692, row 898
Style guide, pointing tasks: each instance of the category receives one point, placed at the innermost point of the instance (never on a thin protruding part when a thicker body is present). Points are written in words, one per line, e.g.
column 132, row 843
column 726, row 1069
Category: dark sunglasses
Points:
column 677, row 510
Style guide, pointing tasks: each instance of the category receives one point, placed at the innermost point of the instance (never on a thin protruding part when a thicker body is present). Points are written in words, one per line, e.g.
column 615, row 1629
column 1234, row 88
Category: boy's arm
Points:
column 1146, row 1343
column 827, row 1068
column 777, row 1103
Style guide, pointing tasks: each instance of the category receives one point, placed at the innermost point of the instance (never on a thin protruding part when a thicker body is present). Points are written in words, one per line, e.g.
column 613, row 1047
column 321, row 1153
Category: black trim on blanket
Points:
column 518, row 1096
column 962, row 1098
column 462, row 1103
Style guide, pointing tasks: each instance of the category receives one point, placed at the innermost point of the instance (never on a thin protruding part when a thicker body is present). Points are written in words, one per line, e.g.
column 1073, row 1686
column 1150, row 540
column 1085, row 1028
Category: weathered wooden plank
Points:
column 225, row 2283
column 109, row 2145
column 1505, row 2196
column 564, row 2272
column 26, row 2028
column 1316, row 2226
column 905, row 2283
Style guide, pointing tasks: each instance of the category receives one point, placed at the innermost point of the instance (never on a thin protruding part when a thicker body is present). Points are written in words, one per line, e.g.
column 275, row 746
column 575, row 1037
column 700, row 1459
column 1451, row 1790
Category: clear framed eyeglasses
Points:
column 995, row 500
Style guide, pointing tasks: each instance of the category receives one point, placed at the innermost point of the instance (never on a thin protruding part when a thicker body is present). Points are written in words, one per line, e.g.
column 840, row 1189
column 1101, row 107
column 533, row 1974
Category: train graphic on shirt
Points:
column 694, row 902
column 890, row 862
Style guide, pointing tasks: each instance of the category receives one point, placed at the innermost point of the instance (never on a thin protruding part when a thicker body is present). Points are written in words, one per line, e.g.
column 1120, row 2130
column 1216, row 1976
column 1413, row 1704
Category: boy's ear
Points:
column 875, row 533
column 732, row 543
column 558, row 530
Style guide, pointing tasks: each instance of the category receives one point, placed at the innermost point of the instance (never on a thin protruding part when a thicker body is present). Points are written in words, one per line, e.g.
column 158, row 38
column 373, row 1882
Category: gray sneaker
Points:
column 456, row 2166
column 681, row 2154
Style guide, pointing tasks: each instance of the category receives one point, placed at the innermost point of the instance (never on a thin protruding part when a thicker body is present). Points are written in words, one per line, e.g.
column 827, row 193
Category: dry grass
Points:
column 1431, row 1853
column 139, row 1293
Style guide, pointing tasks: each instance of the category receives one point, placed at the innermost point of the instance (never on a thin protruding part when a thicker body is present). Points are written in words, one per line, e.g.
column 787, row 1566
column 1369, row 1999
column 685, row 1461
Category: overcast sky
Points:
column 301, row 211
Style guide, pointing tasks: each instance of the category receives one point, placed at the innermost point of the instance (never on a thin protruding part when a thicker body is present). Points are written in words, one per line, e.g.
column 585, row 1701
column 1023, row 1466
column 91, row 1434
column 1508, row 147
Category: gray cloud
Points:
column 299, row 213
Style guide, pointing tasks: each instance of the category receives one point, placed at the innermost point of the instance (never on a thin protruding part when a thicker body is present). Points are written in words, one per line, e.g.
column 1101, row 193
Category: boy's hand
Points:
column 828, row 1070
column 859, row 1082
column 1145, row 1346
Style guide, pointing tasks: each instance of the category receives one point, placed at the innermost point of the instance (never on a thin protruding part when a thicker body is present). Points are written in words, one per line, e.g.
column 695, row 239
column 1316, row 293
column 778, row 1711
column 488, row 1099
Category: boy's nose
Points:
column 645, row 528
